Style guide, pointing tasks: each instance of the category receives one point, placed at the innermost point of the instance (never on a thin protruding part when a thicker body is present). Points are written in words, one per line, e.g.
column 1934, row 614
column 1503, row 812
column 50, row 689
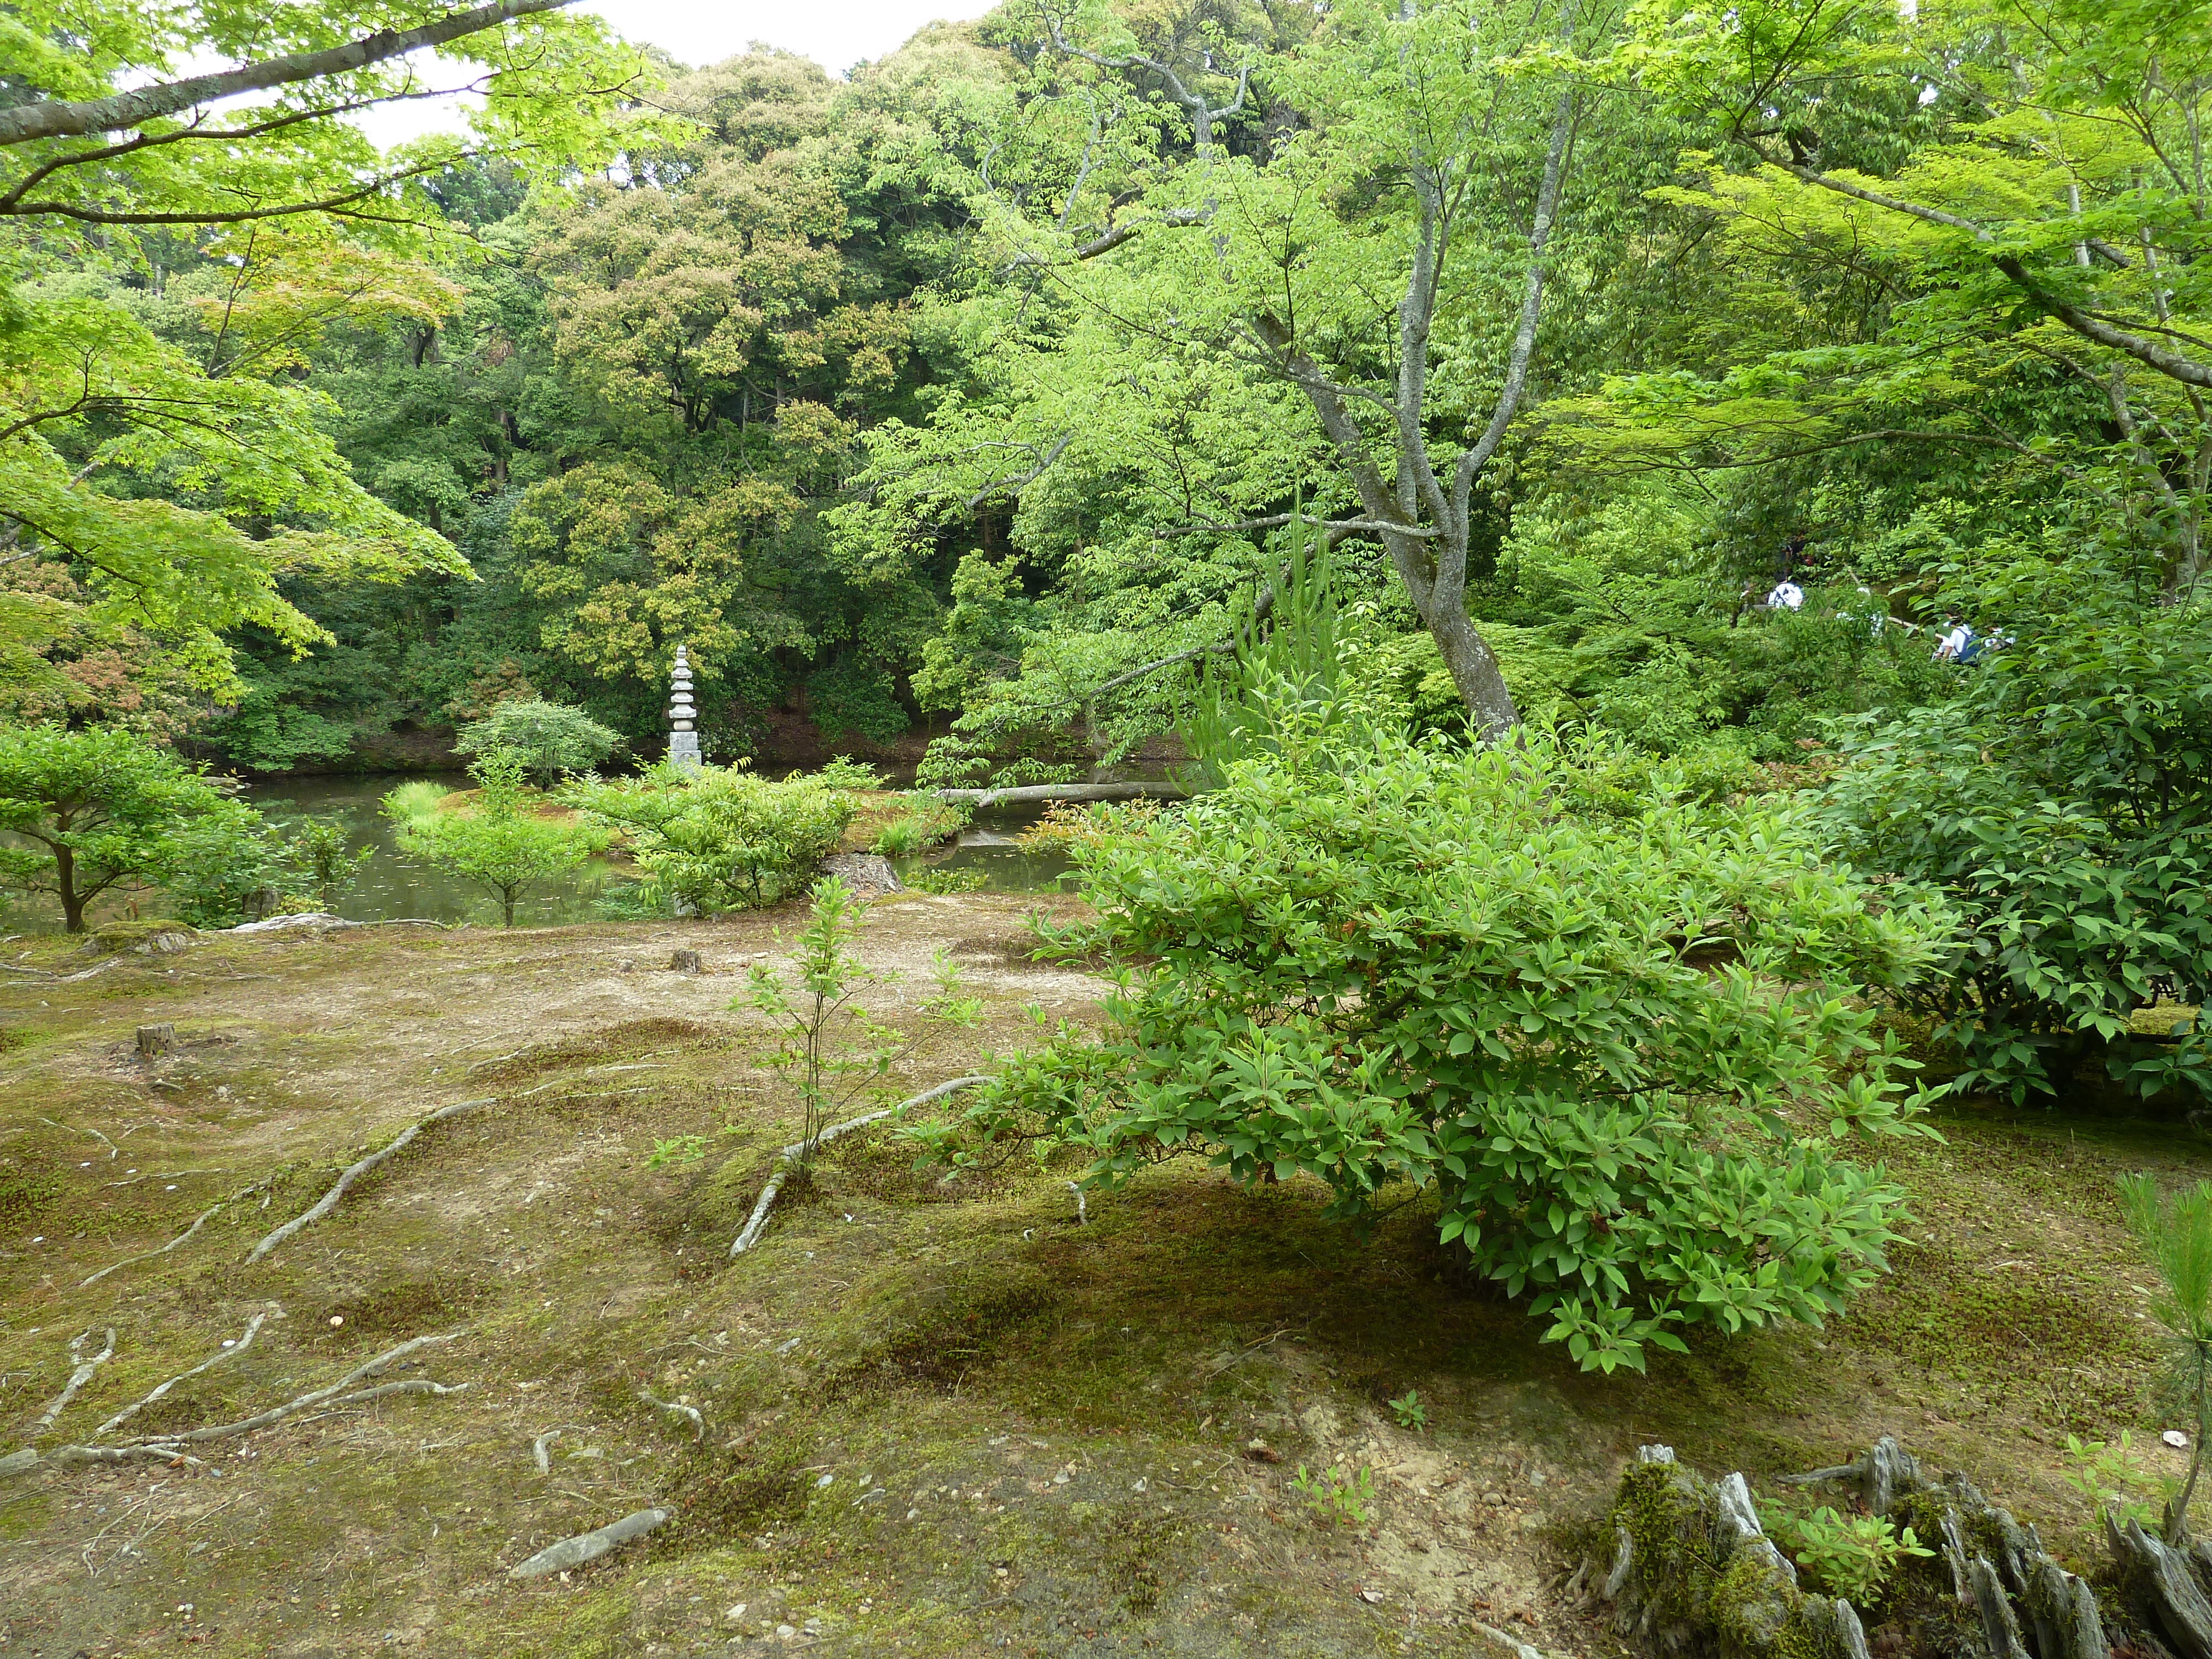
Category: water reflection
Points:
column 988, row 846
column 392, row 885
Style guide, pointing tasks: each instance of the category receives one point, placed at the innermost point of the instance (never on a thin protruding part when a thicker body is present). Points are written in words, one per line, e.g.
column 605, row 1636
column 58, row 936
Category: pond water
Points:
column 988, row 846
column 392, row 885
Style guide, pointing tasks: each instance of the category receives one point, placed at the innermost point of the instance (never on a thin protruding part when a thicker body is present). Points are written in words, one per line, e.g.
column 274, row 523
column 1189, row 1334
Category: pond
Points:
column 392, row 885
column 987, row 847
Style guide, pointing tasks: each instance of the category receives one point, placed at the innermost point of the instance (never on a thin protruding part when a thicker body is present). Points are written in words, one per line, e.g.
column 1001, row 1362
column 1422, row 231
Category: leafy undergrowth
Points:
column 937, row 1418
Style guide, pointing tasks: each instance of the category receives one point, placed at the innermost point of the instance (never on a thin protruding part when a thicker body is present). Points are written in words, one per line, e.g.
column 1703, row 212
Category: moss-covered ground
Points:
column 933, row 1417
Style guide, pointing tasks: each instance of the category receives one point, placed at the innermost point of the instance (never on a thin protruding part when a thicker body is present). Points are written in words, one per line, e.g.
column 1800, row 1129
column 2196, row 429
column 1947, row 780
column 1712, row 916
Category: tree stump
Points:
column 155, row 1041
column 683, row 962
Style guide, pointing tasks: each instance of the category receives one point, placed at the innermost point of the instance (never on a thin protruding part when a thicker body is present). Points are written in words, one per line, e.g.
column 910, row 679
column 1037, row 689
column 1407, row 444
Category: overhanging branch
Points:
column 56, row 119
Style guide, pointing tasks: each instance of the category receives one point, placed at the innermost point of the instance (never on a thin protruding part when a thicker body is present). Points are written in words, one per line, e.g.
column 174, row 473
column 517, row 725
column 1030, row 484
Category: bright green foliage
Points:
column 1409, row 1411
column 1627, row 1055
column 550, row 739
column 721, row 839
column 163, row 269
column 2107, row 1474
column 834, row 1053
column 496, row 840
column 231, row 867
column 1338, row 1492
column 2063, row 800
column 2176, row 1234
column 1849, row 1555
column 83, row 812
column 330, row 867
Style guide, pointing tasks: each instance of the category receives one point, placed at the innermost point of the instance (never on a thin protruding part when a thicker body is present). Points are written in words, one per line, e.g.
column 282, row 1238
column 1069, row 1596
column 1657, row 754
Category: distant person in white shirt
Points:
column 1786, row 595
column 1958, row 644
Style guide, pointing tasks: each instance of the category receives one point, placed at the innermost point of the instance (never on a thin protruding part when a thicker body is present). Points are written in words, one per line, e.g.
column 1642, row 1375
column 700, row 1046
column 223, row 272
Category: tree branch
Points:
column 51, row 118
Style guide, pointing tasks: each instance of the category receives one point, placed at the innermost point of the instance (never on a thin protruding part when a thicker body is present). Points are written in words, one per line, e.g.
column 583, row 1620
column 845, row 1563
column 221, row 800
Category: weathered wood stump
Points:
column 683, row 962
column 155, row 1041
column 1693, row 1572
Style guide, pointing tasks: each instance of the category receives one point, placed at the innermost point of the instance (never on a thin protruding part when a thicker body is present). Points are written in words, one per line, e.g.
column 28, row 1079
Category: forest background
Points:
column 965, row 385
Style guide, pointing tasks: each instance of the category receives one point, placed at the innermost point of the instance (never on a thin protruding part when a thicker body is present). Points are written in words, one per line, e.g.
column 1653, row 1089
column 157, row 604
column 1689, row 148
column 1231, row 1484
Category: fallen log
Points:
column 1024, row 793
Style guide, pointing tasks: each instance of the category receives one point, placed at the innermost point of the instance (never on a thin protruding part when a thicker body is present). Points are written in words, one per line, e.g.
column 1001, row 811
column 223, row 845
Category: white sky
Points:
column 835, row 33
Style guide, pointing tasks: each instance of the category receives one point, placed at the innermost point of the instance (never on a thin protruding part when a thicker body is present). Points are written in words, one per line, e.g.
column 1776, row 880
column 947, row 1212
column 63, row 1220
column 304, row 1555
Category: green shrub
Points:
column 415, row 801
column 1626, row 1055
column 899, row 837
column 494, row 841
column 2063, row 802
column 1851, row 1556
column 326, row 863
column 721, row 839
column 843, row 772
column 226, row 867
column 84, row 812
column 551, row 738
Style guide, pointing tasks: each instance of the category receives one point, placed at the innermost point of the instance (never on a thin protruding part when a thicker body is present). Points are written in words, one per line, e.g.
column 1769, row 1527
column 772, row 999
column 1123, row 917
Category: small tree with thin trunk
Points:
column 2177, row 1235
column 82, row 812
column 494, row 842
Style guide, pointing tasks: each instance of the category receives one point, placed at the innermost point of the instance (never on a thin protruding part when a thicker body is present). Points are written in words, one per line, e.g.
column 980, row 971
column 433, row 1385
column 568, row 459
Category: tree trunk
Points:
column 507, row 903
column 65, row 889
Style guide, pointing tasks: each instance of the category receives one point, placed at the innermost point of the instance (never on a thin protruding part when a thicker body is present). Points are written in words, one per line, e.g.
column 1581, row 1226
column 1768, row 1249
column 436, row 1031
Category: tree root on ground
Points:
column 253, row 1326
column 171, row 1448
column 691, row 1411
column 148, row 1256
column 329, row 1200
column 81, row 1375
column 589, row 1545
column 800, row 1149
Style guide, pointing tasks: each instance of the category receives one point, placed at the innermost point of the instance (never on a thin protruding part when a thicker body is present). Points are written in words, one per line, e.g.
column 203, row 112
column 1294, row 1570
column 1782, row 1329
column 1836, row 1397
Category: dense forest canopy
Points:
column 976, row 383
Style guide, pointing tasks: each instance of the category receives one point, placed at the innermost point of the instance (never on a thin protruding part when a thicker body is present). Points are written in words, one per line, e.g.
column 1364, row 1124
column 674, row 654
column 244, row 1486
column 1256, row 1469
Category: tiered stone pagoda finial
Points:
column 682, row 731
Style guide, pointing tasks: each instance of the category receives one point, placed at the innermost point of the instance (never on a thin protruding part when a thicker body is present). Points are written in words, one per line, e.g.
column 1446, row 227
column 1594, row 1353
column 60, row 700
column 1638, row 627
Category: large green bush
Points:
column 719, row 838
column 551, row 738
column 1626, row 1055
column 2063, row 800
column 82, row 813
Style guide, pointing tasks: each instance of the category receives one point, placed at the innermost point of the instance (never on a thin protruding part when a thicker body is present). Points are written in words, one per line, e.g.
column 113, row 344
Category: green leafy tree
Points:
column 84, row 812
column 833, row 1050
column 721, row 838
column 175, row 486
column 550, row 739
column 495, row 842
column 2176, row 1234
column 320, row 848
column 1626, row 1057
column 2064, row 801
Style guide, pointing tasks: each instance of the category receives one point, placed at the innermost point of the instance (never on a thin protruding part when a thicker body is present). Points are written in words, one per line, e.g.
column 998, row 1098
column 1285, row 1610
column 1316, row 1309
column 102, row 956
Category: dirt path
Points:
column 921, row 1417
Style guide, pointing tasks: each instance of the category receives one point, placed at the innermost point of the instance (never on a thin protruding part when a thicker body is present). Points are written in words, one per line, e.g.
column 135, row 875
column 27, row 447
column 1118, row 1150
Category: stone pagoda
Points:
column 683, row 717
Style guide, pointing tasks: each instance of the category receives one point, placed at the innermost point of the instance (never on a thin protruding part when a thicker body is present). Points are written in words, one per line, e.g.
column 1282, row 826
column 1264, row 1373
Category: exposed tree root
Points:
column 329, row 1200
column 331, row 1395
column 81, row 1375
column 698, row 1422
column 148, row 1256
column 758, row 1219
column 170, row 1448
column 589, row 1545
column 253, row 1326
